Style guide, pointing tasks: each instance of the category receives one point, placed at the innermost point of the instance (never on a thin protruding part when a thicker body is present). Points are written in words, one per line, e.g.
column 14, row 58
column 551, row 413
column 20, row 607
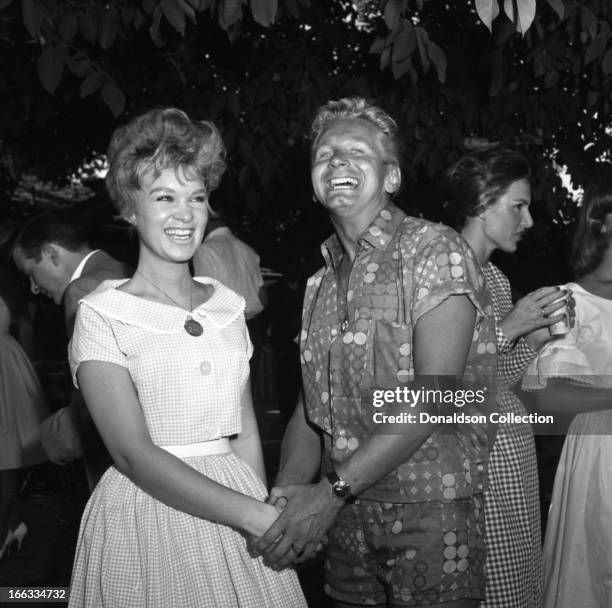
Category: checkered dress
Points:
column 512, row 513
column 133, row 550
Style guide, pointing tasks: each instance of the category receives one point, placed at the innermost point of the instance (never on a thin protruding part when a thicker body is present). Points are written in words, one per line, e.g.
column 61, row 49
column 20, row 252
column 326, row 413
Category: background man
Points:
column 53, row 252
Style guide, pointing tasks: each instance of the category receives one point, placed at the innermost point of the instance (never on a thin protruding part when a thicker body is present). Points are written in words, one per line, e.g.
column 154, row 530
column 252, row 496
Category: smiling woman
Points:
column 162, row 361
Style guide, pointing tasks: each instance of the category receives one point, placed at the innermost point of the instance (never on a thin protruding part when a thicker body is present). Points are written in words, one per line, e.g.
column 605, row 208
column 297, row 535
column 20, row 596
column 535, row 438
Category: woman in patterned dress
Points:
column 162, row 361
column 487, row 195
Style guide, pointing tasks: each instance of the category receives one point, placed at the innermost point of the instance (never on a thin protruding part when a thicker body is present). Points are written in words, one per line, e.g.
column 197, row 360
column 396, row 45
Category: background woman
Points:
column 162, row 361
column 577, row 374
column 487, row 195
column 22, row 408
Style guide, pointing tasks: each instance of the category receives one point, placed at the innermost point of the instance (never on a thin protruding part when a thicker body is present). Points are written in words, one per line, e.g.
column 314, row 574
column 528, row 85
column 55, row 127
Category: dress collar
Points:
column 221, row 309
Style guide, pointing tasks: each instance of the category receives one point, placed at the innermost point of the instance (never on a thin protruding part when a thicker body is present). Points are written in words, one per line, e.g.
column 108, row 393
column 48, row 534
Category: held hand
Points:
column 264, row 517
column 301, row 528
column 537, row 310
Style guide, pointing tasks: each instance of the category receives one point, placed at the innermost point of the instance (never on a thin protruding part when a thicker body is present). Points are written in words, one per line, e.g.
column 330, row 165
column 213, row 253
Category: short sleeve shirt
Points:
column 404, row 268
column 189, row 387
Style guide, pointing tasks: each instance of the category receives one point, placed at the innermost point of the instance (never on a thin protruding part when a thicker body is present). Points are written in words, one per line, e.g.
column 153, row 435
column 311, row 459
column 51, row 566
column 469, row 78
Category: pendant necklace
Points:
column 191, row 326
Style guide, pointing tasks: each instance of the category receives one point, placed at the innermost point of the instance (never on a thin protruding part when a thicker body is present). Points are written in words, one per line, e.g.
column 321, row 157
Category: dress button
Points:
column 205, row 368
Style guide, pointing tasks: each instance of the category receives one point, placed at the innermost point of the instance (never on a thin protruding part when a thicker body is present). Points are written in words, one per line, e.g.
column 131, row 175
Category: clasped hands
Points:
column 300, row 531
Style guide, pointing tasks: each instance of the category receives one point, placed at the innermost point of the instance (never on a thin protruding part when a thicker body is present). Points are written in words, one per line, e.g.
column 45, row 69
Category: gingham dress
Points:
column 133, row 550
column 512, row 509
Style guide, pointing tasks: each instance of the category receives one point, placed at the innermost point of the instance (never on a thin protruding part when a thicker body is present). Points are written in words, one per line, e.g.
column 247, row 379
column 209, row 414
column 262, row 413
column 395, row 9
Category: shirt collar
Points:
column 79, row 269
column 378, row 234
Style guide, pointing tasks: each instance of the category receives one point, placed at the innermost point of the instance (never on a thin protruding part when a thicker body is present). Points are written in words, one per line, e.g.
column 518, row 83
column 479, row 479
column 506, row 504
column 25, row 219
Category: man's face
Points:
column 47, row 275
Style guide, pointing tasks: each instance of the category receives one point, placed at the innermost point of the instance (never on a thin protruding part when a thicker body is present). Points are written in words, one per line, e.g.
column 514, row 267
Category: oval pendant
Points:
column 193, row 328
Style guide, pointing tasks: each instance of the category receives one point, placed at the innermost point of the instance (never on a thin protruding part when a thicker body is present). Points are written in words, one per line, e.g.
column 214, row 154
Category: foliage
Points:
column 454, row 73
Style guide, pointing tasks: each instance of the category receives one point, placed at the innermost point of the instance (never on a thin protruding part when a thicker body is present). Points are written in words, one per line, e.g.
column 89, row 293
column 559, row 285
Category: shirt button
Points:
column 205, row 368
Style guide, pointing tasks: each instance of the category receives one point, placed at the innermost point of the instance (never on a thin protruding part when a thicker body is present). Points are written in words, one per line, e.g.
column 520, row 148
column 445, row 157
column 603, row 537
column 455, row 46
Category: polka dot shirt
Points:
column 404, row 268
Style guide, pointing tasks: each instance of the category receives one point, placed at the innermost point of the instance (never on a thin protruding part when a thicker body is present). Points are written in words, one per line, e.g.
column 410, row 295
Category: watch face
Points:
column 341, row 489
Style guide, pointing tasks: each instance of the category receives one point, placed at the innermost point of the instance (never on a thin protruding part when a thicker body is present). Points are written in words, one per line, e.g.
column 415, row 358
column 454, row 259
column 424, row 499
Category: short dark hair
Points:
column 50, row 227
column 477, row 181
column 590, row 243
column 157, row 140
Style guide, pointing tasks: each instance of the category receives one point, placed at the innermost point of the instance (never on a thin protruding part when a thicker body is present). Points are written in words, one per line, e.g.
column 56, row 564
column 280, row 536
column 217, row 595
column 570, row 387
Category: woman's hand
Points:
column 262, row 517
column 532, row 315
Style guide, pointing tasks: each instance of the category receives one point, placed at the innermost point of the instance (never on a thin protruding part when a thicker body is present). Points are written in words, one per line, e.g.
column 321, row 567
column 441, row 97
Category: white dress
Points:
column 134, row 550
column 578, row 540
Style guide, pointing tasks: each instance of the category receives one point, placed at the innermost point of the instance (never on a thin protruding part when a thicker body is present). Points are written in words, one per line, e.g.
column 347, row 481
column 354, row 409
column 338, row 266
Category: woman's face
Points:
column 170, row 215
column 349, row 175
column 504, row 222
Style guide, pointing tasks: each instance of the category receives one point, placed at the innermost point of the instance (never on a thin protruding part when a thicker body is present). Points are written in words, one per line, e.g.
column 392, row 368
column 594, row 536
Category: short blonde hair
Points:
column 158, row 140
column 358, row 107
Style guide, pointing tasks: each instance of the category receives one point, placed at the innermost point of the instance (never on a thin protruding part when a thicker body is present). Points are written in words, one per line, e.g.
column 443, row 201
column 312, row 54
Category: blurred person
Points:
column 399, row 303
column 223, row 256
column 22, row 408
column 162, row 360
column 574, row 375
column 487, row 195
column 53, row 252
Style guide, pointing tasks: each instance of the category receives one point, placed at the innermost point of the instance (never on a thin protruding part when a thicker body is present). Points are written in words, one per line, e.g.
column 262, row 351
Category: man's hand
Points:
column 308, row 513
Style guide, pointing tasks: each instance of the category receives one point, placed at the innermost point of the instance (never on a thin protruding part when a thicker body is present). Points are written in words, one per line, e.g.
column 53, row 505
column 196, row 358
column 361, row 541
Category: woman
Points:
column 162, row 362
column 576, row 372
column 487, row 195
column 400, row 303
column 22, row 408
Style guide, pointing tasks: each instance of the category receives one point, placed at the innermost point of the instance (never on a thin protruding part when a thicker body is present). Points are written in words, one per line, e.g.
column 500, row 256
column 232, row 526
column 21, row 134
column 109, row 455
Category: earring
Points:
column 315, row 199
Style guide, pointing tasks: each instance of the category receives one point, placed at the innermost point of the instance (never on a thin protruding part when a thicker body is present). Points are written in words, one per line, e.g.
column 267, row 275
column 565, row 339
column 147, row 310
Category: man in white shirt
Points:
column 53, row 252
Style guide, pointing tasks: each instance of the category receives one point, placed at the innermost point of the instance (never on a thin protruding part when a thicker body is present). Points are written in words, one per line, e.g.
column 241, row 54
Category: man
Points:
column 53, row 252
column 399, row 304
column 224, row 257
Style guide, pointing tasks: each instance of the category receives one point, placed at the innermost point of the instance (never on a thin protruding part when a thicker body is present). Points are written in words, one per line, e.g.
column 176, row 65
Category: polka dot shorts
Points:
column 407, row 554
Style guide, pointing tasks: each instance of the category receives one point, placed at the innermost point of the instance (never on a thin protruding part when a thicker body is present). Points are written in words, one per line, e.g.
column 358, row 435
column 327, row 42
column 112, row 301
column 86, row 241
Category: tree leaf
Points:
column 154, row 29
column 187, row 9
column 422, row 42
column 33, row 16
column 264, row 11
column 113, row 97
column 50, row 67
column 438, row 58
column 402, row 67
column 558, row 7
column 88, row 26
column 92, row 83
column 69, row 26
column 521, row 13
column 229, row 13
column 607, row 62
column 174, row 14
column 404, row 43
column 596, row 48
column 377, row 46
column 589, row 21
column 487, row 11
column 393, row 12
column 109, row 28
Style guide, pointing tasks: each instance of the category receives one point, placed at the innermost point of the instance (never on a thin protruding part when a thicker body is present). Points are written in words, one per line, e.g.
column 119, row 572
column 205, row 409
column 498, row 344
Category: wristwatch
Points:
column 340, row 488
